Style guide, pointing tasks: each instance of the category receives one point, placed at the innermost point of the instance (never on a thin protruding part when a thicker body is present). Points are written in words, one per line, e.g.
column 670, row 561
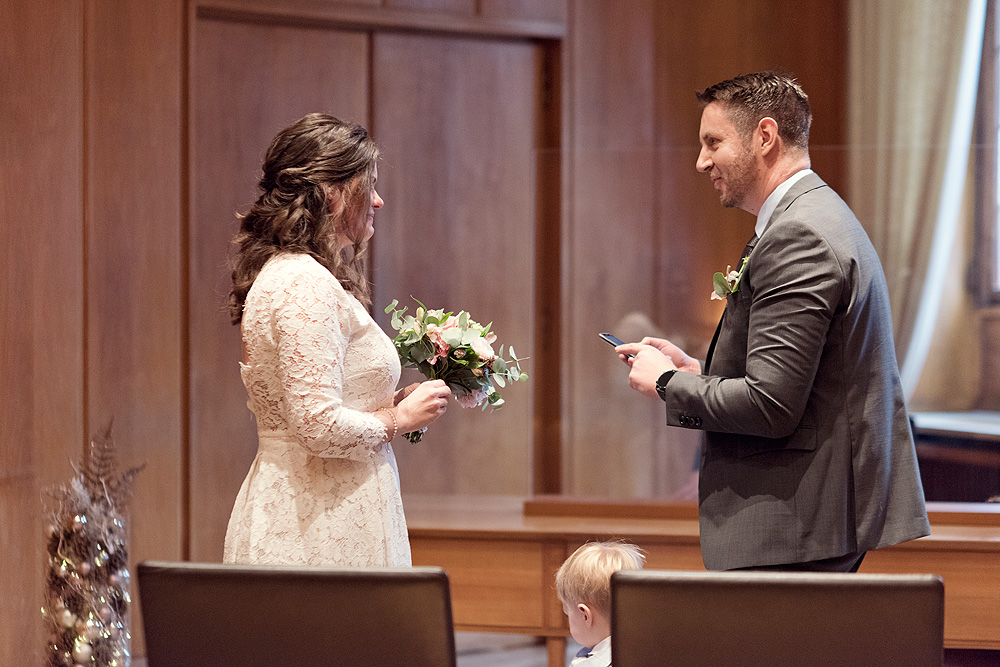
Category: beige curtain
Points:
column 913, row 76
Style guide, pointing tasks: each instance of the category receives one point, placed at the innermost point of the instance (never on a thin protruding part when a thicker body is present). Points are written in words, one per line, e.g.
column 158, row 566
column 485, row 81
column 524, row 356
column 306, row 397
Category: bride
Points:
column 320, row 374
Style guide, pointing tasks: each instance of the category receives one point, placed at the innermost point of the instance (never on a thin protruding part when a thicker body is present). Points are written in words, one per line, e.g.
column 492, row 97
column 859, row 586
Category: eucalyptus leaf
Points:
column 720, row 284
column 422, row 351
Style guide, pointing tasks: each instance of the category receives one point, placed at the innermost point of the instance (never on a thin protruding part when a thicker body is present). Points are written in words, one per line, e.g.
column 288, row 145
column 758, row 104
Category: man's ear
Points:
column 587, row 614
column 767, row 135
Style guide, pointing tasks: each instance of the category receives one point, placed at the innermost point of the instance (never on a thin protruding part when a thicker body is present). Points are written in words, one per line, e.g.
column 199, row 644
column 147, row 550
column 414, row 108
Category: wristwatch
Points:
column 661, row 383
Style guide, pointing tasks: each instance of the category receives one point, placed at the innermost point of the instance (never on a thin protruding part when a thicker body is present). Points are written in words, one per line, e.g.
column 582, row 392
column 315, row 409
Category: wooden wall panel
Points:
column 135, row 307
column 249, row 81
column 466, row 7
column 290, row 8
column 615, row 444
column 634, row 73
column 41, row 298
column 456, row 118
column 541, row 10
column 691, row 217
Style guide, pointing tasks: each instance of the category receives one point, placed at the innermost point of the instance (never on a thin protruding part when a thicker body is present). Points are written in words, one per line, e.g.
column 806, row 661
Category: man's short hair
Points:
column 750, row 97
column 585, row 577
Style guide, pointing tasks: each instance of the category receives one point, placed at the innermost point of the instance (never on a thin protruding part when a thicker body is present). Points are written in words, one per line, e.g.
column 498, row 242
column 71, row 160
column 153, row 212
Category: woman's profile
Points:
column 320, row 375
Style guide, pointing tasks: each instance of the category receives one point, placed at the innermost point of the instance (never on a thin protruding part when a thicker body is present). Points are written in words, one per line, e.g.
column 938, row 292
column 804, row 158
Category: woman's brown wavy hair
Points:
column 317, row 184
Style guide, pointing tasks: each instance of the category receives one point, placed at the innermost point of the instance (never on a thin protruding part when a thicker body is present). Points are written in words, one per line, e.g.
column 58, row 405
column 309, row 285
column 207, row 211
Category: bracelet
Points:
column 395, row 424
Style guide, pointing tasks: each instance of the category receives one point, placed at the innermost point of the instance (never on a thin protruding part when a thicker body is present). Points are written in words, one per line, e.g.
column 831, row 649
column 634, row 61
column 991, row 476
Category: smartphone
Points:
column 614, row 340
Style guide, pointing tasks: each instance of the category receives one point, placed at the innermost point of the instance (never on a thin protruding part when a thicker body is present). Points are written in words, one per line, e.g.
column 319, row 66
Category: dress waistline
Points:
column 272, row 440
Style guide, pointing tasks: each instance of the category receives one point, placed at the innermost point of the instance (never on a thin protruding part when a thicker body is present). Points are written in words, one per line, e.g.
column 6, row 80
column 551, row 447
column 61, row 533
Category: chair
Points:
column 214, row 615
column 776, row 619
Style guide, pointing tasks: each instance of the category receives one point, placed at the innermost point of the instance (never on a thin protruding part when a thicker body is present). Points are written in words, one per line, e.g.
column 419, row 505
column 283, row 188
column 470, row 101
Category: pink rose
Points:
column 473, row 400
column 441, row 348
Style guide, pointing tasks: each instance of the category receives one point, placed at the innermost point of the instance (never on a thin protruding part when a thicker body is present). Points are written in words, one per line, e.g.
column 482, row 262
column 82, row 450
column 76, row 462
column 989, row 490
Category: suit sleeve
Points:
column 796, row 283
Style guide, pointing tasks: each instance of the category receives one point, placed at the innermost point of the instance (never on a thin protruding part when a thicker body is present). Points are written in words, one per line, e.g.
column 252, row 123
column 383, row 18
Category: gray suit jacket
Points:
column 808, row 452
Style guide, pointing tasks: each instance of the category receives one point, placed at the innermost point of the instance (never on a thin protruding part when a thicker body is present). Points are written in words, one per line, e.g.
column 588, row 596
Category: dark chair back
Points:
column 200, row 615
column 776, row 619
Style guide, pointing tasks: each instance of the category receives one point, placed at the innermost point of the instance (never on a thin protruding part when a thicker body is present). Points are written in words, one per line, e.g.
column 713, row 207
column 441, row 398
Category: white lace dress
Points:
column 323, row 488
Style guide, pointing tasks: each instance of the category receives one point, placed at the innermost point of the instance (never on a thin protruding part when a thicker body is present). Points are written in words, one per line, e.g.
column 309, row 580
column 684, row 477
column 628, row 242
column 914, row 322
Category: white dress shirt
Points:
column 771, row 203
column 599, row 656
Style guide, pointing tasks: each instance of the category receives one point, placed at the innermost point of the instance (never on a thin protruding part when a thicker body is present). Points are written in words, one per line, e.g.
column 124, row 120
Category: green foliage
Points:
column 456, row 349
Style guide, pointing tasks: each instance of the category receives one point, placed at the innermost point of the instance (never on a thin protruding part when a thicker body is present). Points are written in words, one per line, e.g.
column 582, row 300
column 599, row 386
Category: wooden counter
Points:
column 501, row 555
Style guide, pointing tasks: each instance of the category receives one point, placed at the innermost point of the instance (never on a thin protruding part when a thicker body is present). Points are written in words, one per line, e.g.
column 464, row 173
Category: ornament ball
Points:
column 92, row 630
column 67, row 618
column 82, row 652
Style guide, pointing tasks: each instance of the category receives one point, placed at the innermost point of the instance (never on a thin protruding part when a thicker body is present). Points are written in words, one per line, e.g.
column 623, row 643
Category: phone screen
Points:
column 614, row 340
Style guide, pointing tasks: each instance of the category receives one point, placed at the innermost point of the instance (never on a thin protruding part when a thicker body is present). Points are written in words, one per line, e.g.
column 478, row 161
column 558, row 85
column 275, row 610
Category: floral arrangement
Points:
column 728, row 283
column 456, row 349
column 87, row 598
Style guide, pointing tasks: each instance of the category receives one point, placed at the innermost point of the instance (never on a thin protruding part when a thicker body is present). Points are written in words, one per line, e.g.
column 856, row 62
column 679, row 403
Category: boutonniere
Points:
column 727, row 283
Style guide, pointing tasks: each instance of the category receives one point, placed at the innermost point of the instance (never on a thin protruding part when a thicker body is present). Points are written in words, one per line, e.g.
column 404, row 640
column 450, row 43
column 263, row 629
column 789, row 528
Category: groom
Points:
column 808, row 461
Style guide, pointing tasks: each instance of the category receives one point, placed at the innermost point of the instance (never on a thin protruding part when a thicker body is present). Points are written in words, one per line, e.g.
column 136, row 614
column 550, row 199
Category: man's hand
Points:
column 647, row 365
column 680, row 358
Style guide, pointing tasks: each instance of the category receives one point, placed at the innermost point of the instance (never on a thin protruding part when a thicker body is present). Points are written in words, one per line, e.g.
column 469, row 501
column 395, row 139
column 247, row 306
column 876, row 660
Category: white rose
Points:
column 483, row 349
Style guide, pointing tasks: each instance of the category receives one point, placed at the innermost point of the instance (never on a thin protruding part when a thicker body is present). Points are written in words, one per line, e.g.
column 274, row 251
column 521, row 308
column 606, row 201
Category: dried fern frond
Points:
column 101, row 461
column 70, row 498
column 120, row 490
column 96, row 482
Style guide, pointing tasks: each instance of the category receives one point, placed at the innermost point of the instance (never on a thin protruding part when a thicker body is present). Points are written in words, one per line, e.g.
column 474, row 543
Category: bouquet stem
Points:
column 415, row 436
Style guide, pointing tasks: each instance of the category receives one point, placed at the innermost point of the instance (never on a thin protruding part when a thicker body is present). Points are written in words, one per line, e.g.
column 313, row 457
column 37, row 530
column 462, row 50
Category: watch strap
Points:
column 661, row 383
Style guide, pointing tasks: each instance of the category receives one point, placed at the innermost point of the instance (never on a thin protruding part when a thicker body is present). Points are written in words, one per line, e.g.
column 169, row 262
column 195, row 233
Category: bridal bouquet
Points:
column 456, row 349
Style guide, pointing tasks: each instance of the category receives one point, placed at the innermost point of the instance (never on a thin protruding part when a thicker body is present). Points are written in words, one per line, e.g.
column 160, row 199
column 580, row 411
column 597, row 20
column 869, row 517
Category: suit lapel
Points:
column 715, row 339
column 805, row 184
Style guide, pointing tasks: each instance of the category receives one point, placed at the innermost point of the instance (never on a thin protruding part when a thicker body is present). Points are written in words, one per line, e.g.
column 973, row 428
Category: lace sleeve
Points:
column 312, row 330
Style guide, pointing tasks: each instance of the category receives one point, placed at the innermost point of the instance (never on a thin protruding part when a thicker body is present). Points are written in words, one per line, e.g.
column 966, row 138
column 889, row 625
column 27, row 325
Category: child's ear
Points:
column 586, row 613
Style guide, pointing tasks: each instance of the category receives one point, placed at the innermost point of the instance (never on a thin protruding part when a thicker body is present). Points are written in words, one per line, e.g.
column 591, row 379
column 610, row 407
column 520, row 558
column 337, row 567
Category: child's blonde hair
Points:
column 585, row 577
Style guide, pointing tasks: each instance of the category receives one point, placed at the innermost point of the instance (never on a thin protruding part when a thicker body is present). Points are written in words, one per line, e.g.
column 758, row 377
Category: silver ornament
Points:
column 82, row 651
column 67, row 618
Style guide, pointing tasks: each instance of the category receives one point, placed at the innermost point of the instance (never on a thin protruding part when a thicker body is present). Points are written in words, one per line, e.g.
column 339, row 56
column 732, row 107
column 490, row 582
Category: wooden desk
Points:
column 501, row 560
column 959, row 454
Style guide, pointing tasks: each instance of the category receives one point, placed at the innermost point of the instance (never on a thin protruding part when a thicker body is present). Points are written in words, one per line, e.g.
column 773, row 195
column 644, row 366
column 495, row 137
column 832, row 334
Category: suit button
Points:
column 697, row 421
column 683, row 420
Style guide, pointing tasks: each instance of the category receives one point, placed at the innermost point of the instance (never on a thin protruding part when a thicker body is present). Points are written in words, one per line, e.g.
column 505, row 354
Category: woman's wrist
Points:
column 391, row 423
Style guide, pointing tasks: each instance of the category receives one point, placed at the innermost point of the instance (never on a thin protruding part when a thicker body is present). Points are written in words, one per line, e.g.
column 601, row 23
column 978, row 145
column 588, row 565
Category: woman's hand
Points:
column 404, row 392
column 422, row 405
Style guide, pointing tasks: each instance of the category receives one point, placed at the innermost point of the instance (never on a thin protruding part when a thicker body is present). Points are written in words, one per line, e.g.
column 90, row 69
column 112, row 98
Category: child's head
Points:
column 583, row 584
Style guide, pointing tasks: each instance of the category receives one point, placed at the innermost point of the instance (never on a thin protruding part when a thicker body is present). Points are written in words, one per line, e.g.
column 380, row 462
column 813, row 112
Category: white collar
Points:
column 599, row 656
column 771, row 203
